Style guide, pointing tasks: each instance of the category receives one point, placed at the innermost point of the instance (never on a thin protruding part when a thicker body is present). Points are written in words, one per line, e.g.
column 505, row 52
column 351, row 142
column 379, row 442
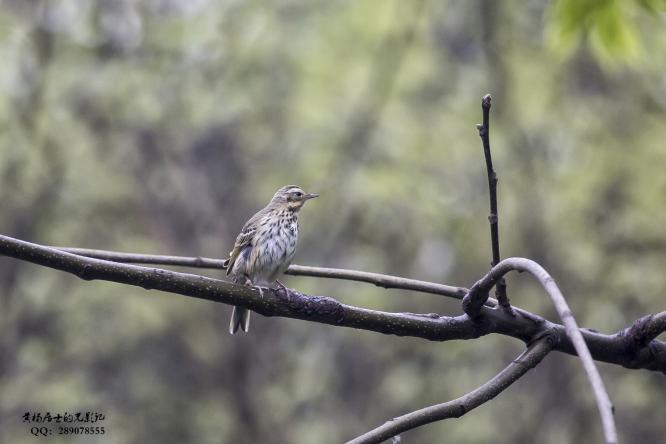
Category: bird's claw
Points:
column 281, row 286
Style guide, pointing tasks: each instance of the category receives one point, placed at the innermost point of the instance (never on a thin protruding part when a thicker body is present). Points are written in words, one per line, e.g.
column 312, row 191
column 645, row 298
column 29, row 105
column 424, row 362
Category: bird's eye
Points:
column 298, row 194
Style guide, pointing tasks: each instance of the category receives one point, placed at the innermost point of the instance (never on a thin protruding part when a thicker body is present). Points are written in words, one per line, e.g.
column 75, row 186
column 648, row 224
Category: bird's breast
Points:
column 274, row 248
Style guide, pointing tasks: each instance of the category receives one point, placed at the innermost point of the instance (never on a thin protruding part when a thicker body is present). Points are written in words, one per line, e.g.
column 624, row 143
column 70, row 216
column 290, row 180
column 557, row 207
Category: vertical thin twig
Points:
column 484, row 133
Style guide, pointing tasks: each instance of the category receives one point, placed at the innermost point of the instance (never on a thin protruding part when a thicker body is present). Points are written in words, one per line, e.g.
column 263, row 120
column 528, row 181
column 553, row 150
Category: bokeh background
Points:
column 160, row 126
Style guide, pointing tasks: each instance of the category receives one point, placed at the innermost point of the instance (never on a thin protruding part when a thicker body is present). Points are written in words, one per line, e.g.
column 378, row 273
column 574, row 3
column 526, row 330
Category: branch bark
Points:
column 527, row 360
column 524, row 326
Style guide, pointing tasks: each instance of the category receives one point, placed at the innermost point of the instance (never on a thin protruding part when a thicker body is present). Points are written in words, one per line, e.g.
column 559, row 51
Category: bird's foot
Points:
column 249, row 283
column 281, row 286
column 262, row 289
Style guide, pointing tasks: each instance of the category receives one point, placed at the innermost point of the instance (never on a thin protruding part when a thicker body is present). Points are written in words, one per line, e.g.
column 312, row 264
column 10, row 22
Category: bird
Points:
column 265, row 247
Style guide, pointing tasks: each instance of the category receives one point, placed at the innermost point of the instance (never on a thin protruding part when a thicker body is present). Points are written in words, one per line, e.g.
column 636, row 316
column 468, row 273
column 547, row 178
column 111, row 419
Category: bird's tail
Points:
column 240, row 318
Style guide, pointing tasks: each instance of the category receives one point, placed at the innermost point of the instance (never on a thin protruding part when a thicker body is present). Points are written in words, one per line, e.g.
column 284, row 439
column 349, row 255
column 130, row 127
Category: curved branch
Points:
column 527, row 360
column 523, row 326
column 378, row 279
column 479, row 293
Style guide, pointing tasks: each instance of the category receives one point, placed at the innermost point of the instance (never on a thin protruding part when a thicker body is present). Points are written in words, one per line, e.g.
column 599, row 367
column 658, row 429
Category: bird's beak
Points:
column 309, row 196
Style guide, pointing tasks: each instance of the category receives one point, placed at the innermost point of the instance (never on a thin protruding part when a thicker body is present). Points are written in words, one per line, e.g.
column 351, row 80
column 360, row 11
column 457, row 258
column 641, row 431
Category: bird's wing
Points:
column 244, row 239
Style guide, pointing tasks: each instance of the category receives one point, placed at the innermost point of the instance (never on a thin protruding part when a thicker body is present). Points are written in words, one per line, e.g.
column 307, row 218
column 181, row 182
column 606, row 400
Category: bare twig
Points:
column 378, row 279
column 325, row 310
column 484, row 133
column 381, row 280
column 479, row 292
column 529, row 359
column 152, row 259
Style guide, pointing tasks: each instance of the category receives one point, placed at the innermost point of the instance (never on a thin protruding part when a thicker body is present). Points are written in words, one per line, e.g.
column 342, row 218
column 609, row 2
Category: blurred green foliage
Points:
column 160, row 126
column 610, row 26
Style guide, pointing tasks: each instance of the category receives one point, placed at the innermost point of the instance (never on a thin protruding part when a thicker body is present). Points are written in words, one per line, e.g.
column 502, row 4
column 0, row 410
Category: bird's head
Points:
column 292, row 197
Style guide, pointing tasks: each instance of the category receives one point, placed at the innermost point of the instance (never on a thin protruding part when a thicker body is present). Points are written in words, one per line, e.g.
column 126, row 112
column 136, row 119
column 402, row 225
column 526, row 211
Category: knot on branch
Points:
column 474, row 300
column 84, row 273
column 639, row 334
column 550, row 336
column 315, row 307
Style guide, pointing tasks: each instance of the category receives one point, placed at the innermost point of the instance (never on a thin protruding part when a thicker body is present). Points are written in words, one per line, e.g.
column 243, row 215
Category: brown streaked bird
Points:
column 265, row 246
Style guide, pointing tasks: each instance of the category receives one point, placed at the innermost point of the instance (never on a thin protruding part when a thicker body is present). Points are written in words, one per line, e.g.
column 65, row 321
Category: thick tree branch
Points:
column 272, row 303
column 493, row 219
column 479, row 293
column 378, row 279
column 529, row 359
column 523, row 326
